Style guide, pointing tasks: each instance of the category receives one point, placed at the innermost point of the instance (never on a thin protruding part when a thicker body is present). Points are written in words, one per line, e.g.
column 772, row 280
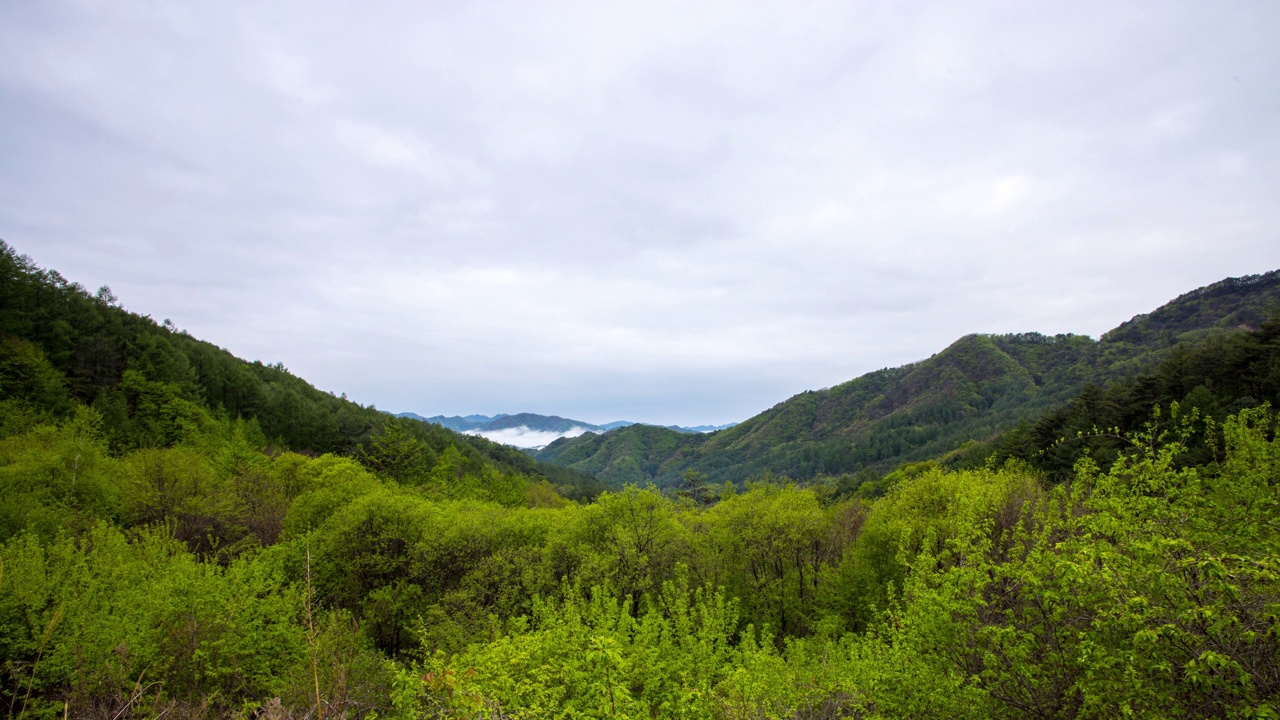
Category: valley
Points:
column 993, row 528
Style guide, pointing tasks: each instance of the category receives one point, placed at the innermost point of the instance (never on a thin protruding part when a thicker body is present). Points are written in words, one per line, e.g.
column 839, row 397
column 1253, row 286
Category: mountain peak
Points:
column 1237, row 302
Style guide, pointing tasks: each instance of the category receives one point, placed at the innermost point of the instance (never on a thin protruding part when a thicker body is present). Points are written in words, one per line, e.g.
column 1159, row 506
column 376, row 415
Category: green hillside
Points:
column 149, row 381
column 1217, row 378
column 979, row 387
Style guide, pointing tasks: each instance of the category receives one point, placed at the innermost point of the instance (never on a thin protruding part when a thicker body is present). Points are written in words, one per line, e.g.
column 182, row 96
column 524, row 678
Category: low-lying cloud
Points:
column 525, row 437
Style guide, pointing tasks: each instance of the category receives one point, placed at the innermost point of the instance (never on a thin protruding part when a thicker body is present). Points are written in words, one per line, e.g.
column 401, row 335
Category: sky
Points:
column 665, row 212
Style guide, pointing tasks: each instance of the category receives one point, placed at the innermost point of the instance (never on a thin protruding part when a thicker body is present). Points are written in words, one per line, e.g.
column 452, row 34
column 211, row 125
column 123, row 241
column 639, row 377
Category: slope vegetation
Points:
column 150, row 380
column 979, row 387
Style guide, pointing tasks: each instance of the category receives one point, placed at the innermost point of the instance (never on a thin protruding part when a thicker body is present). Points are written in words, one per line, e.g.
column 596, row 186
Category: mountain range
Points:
column 533, row 431
column 953, row 403
column 970, row 392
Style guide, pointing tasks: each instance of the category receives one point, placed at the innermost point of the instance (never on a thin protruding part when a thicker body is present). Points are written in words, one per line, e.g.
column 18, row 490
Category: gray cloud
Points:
column 665, row 212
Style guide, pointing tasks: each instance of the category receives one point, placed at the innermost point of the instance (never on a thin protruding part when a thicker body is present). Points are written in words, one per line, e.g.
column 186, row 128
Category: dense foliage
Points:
column 212, row 577
column 163, row 556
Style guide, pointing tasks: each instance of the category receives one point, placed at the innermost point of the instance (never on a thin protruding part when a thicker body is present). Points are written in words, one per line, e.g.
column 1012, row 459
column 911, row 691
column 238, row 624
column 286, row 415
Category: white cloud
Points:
column 524, row 437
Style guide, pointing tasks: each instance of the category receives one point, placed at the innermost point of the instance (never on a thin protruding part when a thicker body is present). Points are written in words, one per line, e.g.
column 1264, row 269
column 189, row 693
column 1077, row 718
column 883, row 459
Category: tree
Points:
column 397, row 455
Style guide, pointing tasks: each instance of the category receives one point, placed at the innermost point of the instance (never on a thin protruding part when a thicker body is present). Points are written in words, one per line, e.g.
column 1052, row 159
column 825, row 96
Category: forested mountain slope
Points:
column 1215, row 379
column 138, row 374
column 975, row 389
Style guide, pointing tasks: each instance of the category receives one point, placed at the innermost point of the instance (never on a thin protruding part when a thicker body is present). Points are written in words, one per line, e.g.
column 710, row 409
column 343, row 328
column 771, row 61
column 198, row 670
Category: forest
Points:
column 187, row 535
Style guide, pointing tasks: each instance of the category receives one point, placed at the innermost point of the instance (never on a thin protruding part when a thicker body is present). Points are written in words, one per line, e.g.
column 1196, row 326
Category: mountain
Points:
column 532, row 431
column 528, row 431
column 699, row 428
column 1217, row 378
column 502, row 421
column 979, row 387
column 455, row 422
column 153, row 383
column 538, row 423
column 1241, row 303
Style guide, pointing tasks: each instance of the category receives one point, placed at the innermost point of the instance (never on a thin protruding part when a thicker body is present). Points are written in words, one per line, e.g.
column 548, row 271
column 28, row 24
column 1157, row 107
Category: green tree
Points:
column 397, row 455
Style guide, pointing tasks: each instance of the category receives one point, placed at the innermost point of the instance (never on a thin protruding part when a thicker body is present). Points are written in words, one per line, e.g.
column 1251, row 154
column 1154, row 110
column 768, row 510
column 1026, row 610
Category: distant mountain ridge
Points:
column 455, row 422
column 525, row 425
column 502, row 421
column 976, row 388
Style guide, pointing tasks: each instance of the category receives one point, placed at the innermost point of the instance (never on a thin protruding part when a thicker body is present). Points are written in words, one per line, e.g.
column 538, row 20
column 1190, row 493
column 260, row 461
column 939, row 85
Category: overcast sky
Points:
column 661, row 212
